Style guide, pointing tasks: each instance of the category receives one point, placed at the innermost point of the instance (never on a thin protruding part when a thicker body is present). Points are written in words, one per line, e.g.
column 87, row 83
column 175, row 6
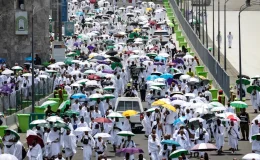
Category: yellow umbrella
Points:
column 170, row 107
column 158, row 103
column 137, row 30
column 129, row 113
column 148, row 9
column 202, row 77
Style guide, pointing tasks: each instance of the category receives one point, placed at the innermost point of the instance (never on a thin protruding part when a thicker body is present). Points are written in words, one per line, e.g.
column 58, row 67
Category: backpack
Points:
column 24, row 153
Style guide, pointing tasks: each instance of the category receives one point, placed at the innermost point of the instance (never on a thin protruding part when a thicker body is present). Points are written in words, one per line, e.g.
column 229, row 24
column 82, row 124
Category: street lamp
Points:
column 218, row 32
column 206, row 19
column 33, row 99
column 213, row 48
column 242, row 8
column 225, row 36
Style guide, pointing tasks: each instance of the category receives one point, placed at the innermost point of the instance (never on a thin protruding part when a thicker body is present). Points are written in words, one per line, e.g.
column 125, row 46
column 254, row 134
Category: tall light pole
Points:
column 218, row 31
column 225, row 35
column 203, row 35
column 206, row 18
column 213, row 47
column 242, row 8
column 33, row 99
column 199, row 20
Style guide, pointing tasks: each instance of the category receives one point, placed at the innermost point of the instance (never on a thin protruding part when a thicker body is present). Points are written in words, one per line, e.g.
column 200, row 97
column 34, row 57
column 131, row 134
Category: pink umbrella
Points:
column 102, row 120
column 204, row 147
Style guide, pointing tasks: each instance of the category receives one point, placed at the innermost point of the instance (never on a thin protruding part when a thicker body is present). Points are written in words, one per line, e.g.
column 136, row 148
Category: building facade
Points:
column 16, row 29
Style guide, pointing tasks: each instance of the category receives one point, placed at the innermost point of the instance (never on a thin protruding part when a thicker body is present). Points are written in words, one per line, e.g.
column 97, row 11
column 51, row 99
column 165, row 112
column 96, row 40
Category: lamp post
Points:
column 225, row 35
column 199, row 20
column 206, row 18
column 33, row 99
column 202, row 16
column 213, row 47
column 218, row 31
column 242, row 8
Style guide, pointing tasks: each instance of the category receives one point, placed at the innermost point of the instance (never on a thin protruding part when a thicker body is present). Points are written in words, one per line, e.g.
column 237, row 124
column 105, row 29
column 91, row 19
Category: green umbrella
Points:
column 47, row 103
column 71, row 54
column 68, row 61
column 251, row 88
column 238, row 104
column 210, row 48
column 109, row 96
column 125, row 133
column 254, row 137
column 171, row 24
column 244, row 81
column 13, row 132
column 178, row 153
column 60, row 125
column 115, row 64
column 151, row 54
column 64, row 104
column 108, row 88
column 70, row 113
column 110, row 42
column 110, row 47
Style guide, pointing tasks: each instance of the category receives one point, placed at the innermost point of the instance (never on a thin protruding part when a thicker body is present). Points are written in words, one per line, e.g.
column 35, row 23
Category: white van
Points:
column 131, row 103
column 162, row 33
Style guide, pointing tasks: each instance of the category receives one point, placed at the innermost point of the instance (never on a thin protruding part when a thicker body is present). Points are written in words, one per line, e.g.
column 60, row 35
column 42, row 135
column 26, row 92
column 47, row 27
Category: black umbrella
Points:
column 134, row 23
column 130, row 41
column 115, row 59
column 111, row 53
column 243, row 76
column 105, row 17
column 98, row 17
column 110, row 12
column 177, row 75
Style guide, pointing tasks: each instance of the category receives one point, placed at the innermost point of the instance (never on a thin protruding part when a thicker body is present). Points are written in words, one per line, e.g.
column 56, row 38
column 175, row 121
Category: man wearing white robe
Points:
column 219, row 135
column 88, row 144
column 201, row 136
column 154, row 148
column 146, row 122
column 183, row 140
column 129, row 144
column 69, row 144
column 54, row 140
column 8, row 141
column 255, row 99
column 18, row 147
column 35, row 152
column 100, row 147
column 233, row 136
column 230, row 39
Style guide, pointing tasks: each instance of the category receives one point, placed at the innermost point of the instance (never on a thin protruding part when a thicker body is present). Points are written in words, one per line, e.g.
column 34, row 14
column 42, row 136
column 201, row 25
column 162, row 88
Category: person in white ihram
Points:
column 219, row 38
column 230, row 39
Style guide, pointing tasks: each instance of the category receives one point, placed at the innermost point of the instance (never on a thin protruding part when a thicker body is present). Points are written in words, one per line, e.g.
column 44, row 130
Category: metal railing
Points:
column 22, row 98
column 219, row 74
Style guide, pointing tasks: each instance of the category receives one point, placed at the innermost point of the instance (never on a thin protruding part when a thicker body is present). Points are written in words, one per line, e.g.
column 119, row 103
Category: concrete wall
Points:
column 12, row 120
column 16, row 47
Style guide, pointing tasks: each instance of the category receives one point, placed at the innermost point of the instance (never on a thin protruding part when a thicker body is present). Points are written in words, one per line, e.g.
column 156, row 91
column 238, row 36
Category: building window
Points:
column 21, row 4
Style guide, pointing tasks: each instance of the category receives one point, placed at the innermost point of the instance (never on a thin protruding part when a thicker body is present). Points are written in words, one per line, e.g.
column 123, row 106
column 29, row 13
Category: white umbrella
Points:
column 109, row 87
column 7, row 157
column 95, row 96
column 191, row 95
column 17, row 68
column 216, row 104
column 177, row 102
column 186, row 77
column 75, row 72
column 43, row 76
column 188, row 56
column 51, row 71
column 138, row 40
column 7, row 71
column 106, row 67
column 218, row 109
column 75, row 61
column 164, row 55
column 27, row 75
column 251, row 156
column 155, row 88
column 39, row 121
column 115, row 114
column 76, row 85
column 54, row 119
column 60, row 63
column 158, row 84
column 47, row 103
column 90, row 71
column 102, row 135
column 91, row 83
column 125, row 133
column 82, row 81
column 193, row 80
column 83, row 129
column 201, row 111
column 54, row 66
column 146, row 62
column 196, row 119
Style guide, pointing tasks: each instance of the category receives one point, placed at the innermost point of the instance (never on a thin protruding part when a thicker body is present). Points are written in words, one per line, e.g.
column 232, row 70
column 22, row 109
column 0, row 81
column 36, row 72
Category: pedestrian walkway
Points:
column 250, row 37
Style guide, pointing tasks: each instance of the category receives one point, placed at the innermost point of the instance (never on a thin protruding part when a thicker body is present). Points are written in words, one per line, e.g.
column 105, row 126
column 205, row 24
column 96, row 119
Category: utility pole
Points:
column 33, row 99
column 60, row 20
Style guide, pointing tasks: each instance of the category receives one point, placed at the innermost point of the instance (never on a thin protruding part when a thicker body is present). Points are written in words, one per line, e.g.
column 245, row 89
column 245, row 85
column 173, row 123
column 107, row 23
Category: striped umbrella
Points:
column 204, row 147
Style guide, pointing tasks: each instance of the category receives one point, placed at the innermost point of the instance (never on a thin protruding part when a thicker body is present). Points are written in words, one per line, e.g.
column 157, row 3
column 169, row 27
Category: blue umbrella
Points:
column 79, row 13
column 2, row 60
column 152, row 77
column 179, row 120
column 170, row 142
column 99, row 58
column 78, row 96
column 167, row 76
column 159, row 58
column 28, row 59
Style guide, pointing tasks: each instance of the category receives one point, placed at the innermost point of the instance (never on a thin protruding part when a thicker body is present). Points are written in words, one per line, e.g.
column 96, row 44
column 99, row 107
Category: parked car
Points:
column 131, row 103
